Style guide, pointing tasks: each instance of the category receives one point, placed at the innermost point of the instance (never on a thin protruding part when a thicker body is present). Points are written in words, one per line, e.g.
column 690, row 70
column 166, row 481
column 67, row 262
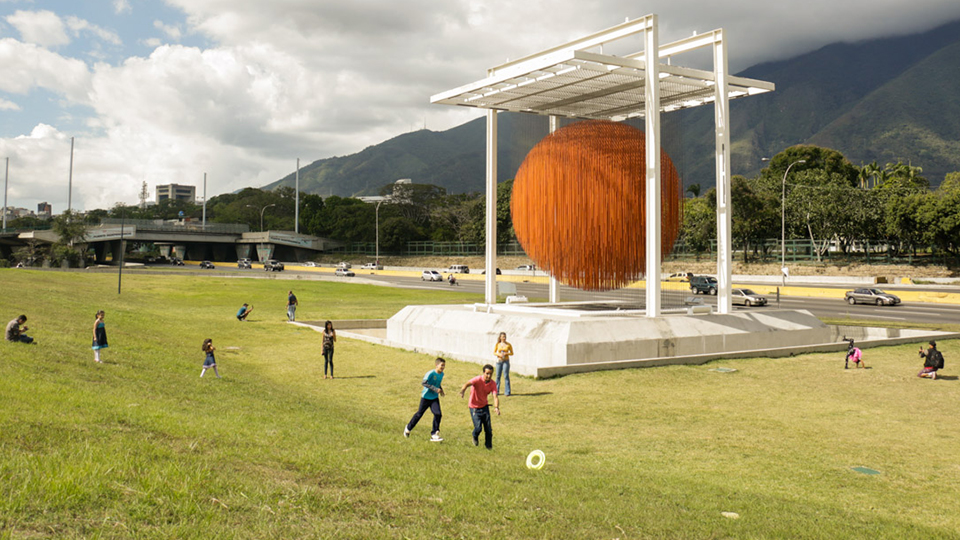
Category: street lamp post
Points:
column 783, row 222
column 377, row 262
column 261, row 213
column 260, row 250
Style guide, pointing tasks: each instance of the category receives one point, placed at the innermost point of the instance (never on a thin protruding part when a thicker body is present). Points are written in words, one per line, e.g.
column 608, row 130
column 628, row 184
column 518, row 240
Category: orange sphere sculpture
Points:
column 578, row 205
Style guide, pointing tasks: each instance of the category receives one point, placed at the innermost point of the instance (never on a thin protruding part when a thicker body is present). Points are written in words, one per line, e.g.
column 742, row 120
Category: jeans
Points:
column 292, row 312
column 434, row 406
column 327, row 360
column 481, row 422
column 503, row 368
column 23, row 338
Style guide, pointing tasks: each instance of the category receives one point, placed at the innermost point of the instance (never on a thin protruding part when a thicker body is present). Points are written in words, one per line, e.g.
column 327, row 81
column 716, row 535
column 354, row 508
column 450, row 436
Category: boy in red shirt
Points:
column 482, row 385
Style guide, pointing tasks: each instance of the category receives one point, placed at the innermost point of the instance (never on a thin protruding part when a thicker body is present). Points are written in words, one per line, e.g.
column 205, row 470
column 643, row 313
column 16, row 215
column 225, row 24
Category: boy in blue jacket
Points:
column 430, row 399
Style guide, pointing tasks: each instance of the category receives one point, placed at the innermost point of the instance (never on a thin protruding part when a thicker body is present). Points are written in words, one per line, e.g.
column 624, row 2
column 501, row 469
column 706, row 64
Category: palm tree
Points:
column 694, row 189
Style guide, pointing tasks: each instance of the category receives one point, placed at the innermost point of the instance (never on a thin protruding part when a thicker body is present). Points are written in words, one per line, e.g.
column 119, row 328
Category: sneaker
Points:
column 933, row 375
column 476, row 441
column 436, row 437
column 406, row 433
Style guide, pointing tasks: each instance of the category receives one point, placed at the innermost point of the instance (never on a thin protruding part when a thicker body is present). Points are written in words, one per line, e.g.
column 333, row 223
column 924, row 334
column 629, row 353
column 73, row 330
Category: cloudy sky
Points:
column 162, row 91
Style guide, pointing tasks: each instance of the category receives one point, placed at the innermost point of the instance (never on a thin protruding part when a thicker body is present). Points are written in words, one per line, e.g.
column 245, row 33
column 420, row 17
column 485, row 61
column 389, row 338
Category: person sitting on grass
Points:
column 933, row 362
column 244, row 312
column 15, row 333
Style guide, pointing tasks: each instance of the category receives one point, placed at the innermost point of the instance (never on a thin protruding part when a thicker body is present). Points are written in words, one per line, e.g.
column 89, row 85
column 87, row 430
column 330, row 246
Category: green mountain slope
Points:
column 883, row 99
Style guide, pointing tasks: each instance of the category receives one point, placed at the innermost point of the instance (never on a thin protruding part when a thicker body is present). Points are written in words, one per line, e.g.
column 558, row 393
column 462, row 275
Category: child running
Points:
column 210, row 361
column 480, row 387
column 853, row 353
column 99, row 336
column 430, row 399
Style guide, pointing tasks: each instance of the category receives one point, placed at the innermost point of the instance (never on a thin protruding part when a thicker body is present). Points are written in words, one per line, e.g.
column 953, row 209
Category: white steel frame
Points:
column 572, row 82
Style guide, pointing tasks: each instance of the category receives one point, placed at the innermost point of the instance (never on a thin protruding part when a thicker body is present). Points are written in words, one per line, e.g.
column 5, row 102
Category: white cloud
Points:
column 301, row 78
column 41, row 27
column 172, row 31
column 27, row 66
column 8, row 105
column 121, row 6
column 80, row 25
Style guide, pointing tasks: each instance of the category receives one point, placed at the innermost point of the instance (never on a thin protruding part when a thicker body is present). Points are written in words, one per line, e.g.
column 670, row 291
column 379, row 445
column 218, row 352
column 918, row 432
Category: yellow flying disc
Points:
column 536, row 459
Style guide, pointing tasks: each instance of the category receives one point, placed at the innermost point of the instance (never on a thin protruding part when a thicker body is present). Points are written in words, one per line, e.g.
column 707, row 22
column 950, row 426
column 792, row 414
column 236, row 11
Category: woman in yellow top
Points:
column 503, row 351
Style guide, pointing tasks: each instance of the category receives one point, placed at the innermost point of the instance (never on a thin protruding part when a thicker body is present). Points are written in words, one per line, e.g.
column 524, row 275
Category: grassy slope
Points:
column 143, row 447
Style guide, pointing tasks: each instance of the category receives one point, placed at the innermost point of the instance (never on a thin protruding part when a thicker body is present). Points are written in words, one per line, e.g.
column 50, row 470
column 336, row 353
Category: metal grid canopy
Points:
column 570, row 81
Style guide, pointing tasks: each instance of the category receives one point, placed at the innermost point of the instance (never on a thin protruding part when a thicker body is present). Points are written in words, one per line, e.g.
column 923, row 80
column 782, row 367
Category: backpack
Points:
column 938, row 359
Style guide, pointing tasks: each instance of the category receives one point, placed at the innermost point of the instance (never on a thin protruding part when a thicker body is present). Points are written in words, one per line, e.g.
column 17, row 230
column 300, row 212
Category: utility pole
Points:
column 296, row 211
column 6, row 181
column 70, row 180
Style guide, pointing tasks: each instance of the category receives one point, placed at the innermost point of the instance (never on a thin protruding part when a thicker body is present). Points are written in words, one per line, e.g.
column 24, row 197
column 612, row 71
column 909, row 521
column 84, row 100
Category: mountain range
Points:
column 881, row 100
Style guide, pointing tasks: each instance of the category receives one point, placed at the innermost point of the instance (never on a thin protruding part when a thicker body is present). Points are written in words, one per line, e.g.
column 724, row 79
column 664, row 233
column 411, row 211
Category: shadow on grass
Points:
column 947, row 377
column 529, row 394
column 357, row 377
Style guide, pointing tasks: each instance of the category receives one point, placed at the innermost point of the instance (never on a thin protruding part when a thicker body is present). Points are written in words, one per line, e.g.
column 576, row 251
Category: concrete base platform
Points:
column 557, row 339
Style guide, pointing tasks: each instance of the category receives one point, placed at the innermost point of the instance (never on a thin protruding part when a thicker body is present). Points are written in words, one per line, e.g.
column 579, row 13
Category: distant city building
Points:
column 13, row 213
column 177, row 192
column 44, row 210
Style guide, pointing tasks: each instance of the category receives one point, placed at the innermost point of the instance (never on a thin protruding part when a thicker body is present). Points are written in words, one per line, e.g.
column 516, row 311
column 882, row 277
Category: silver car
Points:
column 871, row 296
column 431, row 275
column 746, row 297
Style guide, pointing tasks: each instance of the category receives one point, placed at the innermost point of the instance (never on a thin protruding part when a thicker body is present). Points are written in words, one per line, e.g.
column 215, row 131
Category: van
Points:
column 458, row 269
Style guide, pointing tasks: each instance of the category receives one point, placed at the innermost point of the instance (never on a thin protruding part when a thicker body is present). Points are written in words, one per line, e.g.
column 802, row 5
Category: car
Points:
column 176, row 261
column 746, row 297
column 871, row 296
column 683, row 277
column 458, row 269
column 344, row 265
column 244, row 263
column 272, row 265
column 431, row 275
column 484, row 272
column 703, row 284
column 310, row 264
column 344, row 272
column 372, row 266
column 527, row 267
column 207, row 264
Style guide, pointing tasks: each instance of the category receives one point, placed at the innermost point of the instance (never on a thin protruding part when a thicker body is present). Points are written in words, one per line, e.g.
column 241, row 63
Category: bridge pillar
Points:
column 265, row 251
column 180, row 251
column 244, row 251
column 116, row 248
column 100, row 251
column 164, row 249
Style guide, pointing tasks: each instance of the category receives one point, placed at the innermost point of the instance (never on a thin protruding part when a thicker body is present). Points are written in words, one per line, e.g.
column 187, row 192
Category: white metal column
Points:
column 724, row 210
column 651, row 47
column 554, row 284
column 490, row 284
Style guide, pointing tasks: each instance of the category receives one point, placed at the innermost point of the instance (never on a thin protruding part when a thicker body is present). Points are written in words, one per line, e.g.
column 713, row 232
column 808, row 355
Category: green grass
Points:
column 142, row 447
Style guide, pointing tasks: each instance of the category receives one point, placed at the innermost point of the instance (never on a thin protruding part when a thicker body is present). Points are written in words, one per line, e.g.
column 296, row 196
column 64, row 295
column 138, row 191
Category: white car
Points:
column 344, row 265
column 310, row 264
column 344, row 272
column 527, row 267
column 372, row 266
column 431, row 275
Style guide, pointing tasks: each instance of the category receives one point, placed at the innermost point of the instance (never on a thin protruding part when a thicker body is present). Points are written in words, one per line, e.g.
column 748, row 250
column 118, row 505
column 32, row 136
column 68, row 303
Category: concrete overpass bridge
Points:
column 186, row 240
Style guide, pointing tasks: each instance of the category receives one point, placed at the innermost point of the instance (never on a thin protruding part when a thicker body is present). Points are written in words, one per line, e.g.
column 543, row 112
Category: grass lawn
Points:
column 143, row 447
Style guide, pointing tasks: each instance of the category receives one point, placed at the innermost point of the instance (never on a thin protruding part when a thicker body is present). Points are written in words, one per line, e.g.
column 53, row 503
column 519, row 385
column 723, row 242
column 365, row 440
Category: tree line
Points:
column 826, row 200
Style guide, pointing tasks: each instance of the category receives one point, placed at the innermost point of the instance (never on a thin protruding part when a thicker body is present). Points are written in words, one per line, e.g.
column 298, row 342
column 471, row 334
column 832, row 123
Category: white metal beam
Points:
column 721, row 108
column 490, row 283
column 554, row 296
column 652, row 117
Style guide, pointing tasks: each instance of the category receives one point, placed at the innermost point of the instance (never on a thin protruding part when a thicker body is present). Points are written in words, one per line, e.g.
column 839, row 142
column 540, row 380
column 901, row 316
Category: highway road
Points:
column 820, row 307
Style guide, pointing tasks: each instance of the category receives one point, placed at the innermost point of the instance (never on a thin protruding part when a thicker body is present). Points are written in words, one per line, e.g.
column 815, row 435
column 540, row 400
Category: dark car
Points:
column 498, row 272
column 176, row 261
column 207, row 264
column 871, row 296
column 272, row 265
column 703, row 284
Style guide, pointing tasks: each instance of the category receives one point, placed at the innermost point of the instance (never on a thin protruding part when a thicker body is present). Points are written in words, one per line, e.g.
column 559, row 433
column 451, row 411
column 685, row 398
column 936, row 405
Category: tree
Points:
column 71, row 230
column 699, row 222
column 694, row 190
